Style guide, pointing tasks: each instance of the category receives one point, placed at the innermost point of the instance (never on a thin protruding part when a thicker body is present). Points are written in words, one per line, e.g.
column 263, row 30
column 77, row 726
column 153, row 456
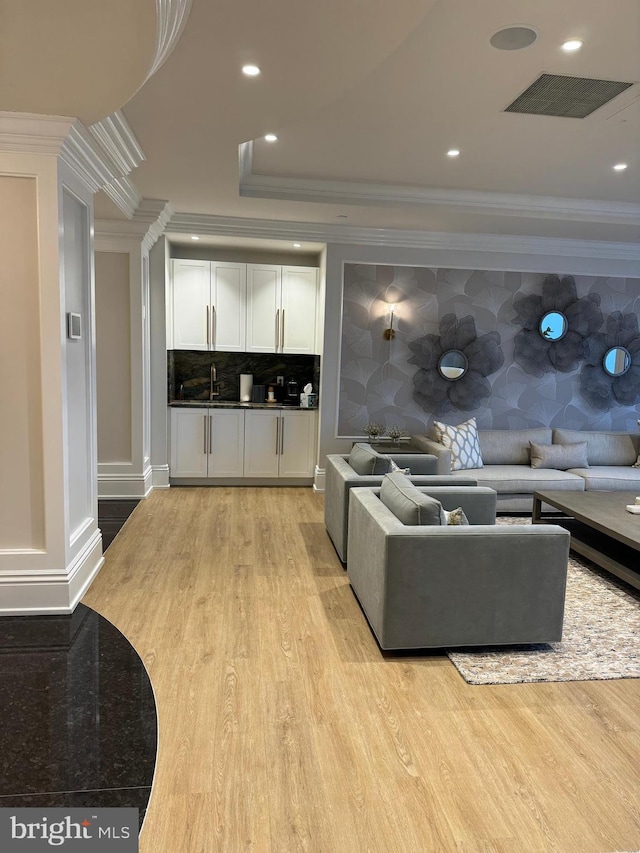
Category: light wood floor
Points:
column 284, row 728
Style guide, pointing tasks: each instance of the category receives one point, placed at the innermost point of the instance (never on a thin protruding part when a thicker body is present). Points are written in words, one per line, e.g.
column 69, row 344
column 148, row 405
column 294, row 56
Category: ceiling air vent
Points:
column 571, row 97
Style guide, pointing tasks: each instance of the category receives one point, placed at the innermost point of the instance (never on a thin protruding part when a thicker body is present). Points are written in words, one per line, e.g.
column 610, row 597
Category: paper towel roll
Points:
column 246, row 384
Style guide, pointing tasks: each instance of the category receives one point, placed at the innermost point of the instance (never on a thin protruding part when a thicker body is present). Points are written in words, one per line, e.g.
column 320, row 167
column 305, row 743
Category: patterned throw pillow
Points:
column 393, row 467
column 462, row 441
column 454, row 517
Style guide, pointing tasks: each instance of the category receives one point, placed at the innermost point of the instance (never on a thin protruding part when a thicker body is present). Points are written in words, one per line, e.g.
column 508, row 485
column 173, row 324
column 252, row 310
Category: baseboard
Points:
column 125, row 486
column 319, row 479
column 52, row 593
column 160, row 476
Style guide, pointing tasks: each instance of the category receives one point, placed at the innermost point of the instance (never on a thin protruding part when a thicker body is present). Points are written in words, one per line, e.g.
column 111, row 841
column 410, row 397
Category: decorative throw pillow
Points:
column 407, row 503
column 365, row 460
column 454, row 517
column 393, row 467
column 462, row 441
column 559, row 456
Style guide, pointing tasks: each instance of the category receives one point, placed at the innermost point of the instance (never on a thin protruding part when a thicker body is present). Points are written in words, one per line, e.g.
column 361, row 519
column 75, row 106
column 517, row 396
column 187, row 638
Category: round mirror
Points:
column 616, row 361
column 453, row 364
column 553, row 326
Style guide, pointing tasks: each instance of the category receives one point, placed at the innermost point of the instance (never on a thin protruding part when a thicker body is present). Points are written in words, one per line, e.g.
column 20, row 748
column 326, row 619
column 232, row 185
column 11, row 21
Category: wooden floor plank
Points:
column 283, row 727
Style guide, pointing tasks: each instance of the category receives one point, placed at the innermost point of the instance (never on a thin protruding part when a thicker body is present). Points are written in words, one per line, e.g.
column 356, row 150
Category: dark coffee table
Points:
column 601, row 528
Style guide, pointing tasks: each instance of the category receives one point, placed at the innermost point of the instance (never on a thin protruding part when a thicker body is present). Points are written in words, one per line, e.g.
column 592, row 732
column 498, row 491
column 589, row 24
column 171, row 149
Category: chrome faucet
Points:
column 213, row 382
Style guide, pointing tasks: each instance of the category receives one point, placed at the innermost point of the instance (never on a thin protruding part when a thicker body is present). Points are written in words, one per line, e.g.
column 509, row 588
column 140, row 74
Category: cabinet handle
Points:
column 277, row 328
column 282, row 432
column 277, row 435
column 282, row 336
column 206, row 418
column 213, row 326
column 208, row 327
column 210, row 434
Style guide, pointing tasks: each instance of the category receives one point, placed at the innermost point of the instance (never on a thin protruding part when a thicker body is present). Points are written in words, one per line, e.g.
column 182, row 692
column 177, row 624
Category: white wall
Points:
column 113, row 356
column 21, row 440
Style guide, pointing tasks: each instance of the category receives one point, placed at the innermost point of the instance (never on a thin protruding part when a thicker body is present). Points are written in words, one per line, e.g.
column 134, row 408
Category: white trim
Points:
column 319, row 479
column 146, row 226
column 124, row 486
column 124, row 194
column 31, row 594
column 186, row 223
column 160, row 476
column 329, row 191
column 172, row 16
column 116, row 137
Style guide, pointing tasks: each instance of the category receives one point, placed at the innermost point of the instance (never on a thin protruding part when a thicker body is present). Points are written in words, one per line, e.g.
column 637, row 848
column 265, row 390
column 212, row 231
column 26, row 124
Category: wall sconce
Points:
column 390, row 333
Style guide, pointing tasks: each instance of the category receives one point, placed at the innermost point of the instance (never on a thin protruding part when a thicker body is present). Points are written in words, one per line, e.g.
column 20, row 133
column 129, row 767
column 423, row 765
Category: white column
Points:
column 50, row 544
column 123, row 351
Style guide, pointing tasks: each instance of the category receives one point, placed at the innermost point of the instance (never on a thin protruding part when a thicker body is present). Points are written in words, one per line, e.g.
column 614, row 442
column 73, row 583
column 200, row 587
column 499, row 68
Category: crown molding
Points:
column 318, row 232
column 87, row 160
column 171, row 16
column 146, row 226
column 34, row 134
column 119, row 141
column 470, row 201
column 124, row 194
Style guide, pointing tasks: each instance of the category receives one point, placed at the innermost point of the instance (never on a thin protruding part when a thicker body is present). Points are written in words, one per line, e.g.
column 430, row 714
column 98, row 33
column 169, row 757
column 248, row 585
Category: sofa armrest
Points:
column 442, row 453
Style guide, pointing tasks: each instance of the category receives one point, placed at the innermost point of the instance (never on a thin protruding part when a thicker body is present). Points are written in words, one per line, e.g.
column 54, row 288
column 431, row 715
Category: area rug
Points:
column 600, row 640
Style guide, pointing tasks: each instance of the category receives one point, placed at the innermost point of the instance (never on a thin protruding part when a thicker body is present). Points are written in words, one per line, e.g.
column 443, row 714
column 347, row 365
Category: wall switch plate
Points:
column 279, row 380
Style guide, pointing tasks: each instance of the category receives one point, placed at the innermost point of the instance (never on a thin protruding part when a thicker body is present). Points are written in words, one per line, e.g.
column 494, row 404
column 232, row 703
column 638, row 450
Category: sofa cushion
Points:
column 560, row 456
column 603, row 448
column 462, row 441
column 510, row 446
column 407, row 503
column 610, row 478
column 521, row 479
column 366, row 461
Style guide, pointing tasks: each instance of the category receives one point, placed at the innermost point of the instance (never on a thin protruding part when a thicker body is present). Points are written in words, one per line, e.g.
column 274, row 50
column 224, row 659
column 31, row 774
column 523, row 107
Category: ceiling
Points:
column 367, row 96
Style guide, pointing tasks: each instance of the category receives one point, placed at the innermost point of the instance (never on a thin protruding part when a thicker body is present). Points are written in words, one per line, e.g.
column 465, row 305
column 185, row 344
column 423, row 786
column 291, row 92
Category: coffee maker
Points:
column 293, row 394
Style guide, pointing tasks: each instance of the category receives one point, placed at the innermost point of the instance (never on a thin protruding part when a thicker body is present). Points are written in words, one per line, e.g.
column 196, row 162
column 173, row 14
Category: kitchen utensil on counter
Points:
column 258, row 393
column 246, row 384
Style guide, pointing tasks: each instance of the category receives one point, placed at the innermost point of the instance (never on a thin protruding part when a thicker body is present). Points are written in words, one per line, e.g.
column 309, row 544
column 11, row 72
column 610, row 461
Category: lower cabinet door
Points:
column 261, row 443
column 189, row 442
column 226, row 443
column 297, row 444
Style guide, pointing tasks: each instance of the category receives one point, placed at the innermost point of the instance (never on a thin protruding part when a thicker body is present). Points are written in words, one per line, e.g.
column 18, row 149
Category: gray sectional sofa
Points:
column 507, row 463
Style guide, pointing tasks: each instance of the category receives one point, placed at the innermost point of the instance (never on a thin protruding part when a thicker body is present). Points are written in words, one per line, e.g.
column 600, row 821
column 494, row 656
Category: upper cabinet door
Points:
column 299, row 309
column 263, row 308
column 228, row 306
column 191, row 304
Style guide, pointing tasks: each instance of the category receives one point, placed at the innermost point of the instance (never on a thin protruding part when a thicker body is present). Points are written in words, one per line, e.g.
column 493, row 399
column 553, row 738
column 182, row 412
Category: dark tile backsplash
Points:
column 191, row 369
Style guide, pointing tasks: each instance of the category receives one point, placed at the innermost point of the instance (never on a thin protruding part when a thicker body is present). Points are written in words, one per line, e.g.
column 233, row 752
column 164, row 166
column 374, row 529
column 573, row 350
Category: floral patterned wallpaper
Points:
column 377, row 375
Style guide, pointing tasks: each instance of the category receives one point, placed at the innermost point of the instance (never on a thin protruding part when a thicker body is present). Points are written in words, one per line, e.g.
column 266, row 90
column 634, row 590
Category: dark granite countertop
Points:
column 230, row 404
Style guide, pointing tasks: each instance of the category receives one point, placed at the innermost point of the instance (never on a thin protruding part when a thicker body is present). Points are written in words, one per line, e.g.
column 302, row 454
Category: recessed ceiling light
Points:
column 620, row 167
column 453, row 152
column 271, row 137
column 193, row 237
column 250, row 70
column 513, row 38
column 571, row 45
column 297, row 245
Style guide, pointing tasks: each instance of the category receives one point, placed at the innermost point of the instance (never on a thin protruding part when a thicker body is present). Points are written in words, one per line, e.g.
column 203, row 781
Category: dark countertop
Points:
column 227, row 404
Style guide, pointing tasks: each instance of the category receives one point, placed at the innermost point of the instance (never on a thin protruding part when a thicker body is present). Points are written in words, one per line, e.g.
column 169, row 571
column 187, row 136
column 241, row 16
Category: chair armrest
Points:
column 434, row 448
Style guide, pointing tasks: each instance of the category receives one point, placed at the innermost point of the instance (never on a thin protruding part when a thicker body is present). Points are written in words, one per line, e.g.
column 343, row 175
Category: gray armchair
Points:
column 340, row 478
column 439, row 586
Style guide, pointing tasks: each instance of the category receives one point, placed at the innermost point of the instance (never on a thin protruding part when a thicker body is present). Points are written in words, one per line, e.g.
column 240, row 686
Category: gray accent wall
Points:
column 376, row 380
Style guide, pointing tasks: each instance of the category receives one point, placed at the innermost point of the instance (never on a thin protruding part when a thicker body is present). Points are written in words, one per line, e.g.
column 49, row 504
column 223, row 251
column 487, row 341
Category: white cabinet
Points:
column 282, row 307
column 279, row 444
column 208, row 305
column 207, row 443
